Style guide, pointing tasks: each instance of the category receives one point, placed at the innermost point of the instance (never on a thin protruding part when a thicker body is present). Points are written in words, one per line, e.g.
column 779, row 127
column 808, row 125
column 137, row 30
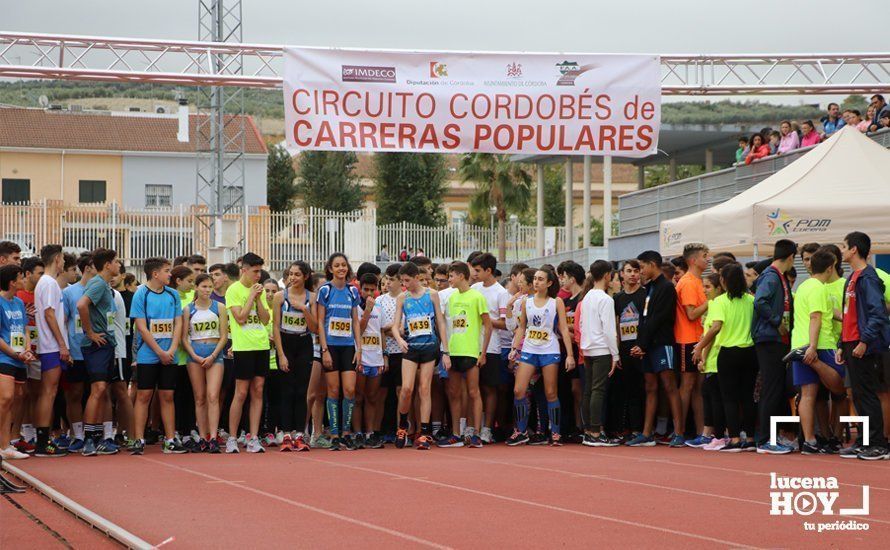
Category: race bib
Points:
column 32, row 334
column 459, row 324
column 202, row 330
column 78, row 326
column 570, row 319
column 293, row 322
column 537, row 336
column 110, row 322
column 17, row 341
column 340, row 327
column 419, row 326
column 253, row 321
column 161, row 328
column 628, row 331
column 371, row 341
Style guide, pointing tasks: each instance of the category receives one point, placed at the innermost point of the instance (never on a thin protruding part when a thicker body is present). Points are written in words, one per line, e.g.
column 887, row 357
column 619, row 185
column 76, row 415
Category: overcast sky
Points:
column 595, row 26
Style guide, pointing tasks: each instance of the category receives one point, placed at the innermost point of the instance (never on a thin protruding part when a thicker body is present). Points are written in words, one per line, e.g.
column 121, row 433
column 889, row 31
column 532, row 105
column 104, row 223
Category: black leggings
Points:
column 715, row 415
column 295, row 384
column 737, row 372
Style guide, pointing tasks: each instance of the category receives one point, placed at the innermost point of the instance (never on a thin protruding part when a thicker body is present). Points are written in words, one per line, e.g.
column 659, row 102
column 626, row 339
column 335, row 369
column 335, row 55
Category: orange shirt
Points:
column 690, row 292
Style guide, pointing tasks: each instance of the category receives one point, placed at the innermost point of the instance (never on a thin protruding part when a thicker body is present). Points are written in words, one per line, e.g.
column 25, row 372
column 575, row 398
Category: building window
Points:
column 92, row 191
column 158, row 195
column 16, row 191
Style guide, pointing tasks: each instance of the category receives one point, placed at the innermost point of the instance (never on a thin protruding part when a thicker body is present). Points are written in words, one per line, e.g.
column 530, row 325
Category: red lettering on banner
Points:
column 520, row 114
column 625, row 140
column 329, row 99
column 325, row 134
column 451, row 108
column 483, row 132
column 347, row 133
column 503, row 137
column 367, row 135
column 607, row 134
column 346, row 111
column 387, row 134
column 502, row 103
column 647, row 110
column 475, row 103
column 566, row 107
column 432, row 107
column 585, row 139
column 645, row 134
column 540, row 110
column 604, row 111
column 406, row 133
column 540, row 134
column 294, row 101
column 452, row 137
column 429, row 137
column 526, row 134
column 297, row 140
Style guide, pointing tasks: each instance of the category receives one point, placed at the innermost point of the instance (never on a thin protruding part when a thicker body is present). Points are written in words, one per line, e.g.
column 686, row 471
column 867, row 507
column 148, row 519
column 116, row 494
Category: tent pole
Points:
column 756, row 255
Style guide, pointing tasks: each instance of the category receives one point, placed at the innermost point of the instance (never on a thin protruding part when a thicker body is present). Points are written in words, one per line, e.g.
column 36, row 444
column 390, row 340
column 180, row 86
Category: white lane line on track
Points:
column 535, row 504
column 322, row 511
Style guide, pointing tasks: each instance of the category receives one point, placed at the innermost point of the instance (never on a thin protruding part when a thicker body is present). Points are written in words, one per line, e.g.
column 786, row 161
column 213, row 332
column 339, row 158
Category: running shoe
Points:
column 321, row 442
column 518, row 438
column 453, row 441
column 602, row 440
column 287, row 444
column 537, row 438
column 833, row 446
column 279, row 437
column 107, row 447
column 222, row 434
column 190, row 445
column 422, row 443
column 299, row 445
column 732, row 447
column 174, row 447
column 875, row 453
column 813, row 449
column 153, row 436
column 213, row 447
column 475, row 442
column 269, row 440
column 89, row 448
column 575, row 437
column 795, row 355
column 50, row 451
column 137, row 448
column 359, row 441
column 254, row 445
column 677, row 441
column 401, row 438
column 441, row 434
column 374, row 441
column 555, row 440
column 23, row 446
column 777, row 449
column 486, row 436
column 232, row 445
column 10, row 453
column 662, row 439
column 716, row 444
column 335, row 444
column 699, row 442
column 748, row 446
column 62, row 442
column 242, row 439
column 204, row 445
column 389, row 439
column 852, row 451
column 790, row 443
column 641, row 441
column 120, row 440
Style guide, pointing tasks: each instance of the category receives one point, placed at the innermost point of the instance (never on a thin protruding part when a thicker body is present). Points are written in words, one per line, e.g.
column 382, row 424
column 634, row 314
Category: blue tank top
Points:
column 420, row 322
column 292, row 320
column 338, row 303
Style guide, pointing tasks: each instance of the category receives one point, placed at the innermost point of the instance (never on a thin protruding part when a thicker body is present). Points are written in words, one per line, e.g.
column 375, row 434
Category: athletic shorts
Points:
column 19, row 374
column 683, row 358
column 371, row 372
column 490, row 373
column 392, row 378
column 205, row 349
column 34, row 372
column 251, row 364
column 463, row 365
column 342, row 358
column 539, row 360
column 150, row 376
column 441, row 371
column 421, row 356
column 505, row 371
column 228, row 372
column 50, row 361
column 99, row 362
column 658, row 359
column 804, row 374
column 74, row 372
column 123, row 371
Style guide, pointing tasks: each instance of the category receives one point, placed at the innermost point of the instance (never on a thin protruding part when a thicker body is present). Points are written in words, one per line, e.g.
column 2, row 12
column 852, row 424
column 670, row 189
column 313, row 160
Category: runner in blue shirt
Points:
column 15, row 351
column 75, row 374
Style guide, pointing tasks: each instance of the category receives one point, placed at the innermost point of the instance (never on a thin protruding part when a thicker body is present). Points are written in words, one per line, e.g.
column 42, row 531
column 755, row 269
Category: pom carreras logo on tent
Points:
column 780, row 223
column 364, row 73
column 669, row 237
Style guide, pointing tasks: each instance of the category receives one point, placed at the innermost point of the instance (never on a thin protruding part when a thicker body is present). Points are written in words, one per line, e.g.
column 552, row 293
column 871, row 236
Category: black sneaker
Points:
column 795, row 354
column 813, row 449
column 137, row 448
column 174, row 447
column 588, row 440
column 875, row 453
column 360, row 441
column 603, row 441
column 349, row 443
column 852, row 451
column 833, row 446
column 50, row 451
column 518, row 438
column 736, row 447
column 401, row 438
column 213, row 447
column 537, row 438
column 336, row 443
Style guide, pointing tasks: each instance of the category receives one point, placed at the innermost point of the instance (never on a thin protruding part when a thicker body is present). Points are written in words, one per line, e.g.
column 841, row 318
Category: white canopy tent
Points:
column 842, row 185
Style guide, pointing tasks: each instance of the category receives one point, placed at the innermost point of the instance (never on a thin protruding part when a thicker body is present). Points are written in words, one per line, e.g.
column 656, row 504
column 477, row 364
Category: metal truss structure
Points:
column 224, row 61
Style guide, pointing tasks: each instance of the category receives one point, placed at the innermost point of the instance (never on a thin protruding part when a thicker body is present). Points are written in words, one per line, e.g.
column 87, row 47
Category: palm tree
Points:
column 500, row 184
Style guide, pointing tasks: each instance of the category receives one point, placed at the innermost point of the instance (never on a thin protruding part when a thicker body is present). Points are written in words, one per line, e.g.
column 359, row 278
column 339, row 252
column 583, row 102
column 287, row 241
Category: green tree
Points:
column 327, row 180
column 410, row 187
column 659, row 174
column 554, row 197
column 281, row 185
column 857, row 102
column 500, row 184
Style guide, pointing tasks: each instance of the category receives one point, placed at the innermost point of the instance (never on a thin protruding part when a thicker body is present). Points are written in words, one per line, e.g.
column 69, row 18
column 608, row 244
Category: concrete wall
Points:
column 56, row 176
column 180, row 172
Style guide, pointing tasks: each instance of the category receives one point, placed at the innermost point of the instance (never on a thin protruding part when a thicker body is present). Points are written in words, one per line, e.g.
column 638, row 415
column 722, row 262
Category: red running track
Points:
column 525, row 497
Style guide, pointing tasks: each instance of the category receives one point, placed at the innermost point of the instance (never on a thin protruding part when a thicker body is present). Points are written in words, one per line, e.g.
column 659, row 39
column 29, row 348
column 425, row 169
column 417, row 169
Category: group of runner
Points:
column 435, row 355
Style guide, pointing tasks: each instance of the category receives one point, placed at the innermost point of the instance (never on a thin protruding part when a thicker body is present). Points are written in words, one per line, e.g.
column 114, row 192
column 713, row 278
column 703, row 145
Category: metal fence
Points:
column 310, row 234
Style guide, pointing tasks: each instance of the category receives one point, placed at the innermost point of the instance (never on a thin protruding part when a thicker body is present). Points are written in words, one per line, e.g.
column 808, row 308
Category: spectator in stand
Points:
column 880, row 107
column 759, row 149
column 884, row 120
column 809, row 135
column 742, row 151
column 789, row 141
column 831, row 122
column 403, row 254
column 854, row 118
column 383, row 256
column 775, row 138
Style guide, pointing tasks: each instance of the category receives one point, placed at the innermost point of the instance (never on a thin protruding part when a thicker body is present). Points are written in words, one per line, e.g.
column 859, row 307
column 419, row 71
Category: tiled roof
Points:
column 45, row 129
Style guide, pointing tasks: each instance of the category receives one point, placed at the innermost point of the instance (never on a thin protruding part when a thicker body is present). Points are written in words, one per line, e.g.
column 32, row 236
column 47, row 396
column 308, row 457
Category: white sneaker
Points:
column 253, row 446
column 279, row 438
column 232, row 445
column 11, row 453
column 485, row 435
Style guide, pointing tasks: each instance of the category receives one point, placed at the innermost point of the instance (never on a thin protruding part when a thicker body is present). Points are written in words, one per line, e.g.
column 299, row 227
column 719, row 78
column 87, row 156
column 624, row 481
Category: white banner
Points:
column 360, row 100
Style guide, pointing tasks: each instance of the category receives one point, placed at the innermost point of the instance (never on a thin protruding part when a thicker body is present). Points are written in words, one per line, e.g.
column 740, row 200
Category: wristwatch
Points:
column 324, row 350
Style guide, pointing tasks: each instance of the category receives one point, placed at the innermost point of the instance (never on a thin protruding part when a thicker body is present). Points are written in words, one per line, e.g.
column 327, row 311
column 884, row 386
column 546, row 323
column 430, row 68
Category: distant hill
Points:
column 269, row 104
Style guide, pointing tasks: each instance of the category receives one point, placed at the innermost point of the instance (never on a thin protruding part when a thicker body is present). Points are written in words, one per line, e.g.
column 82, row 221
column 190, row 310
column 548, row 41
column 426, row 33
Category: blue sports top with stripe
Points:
column 420, row 322
column 292, row 319
column 338, row 304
